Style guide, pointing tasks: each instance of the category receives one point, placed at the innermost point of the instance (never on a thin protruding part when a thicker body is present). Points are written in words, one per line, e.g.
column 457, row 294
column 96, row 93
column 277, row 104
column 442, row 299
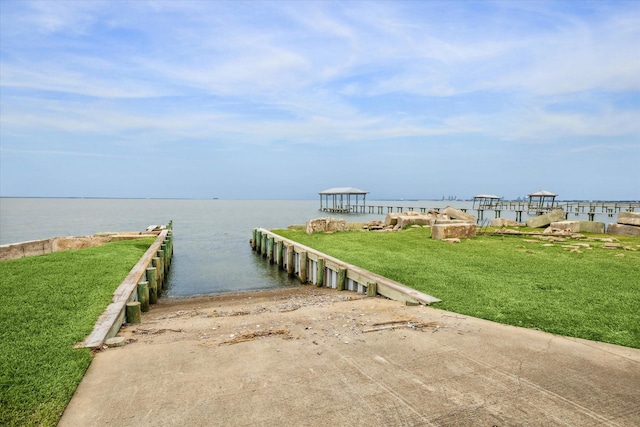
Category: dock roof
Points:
column 343, row 190
column 486, row 196
column 542, row 193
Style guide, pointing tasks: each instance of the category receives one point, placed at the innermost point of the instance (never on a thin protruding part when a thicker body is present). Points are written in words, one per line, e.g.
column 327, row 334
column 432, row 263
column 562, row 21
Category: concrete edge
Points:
column 386, row 287
column 112, row 318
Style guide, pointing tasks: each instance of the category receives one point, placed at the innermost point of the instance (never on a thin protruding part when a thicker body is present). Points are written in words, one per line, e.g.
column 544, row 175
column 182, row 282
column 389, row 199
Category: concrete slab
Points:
column 308, row 356
column 545, row 219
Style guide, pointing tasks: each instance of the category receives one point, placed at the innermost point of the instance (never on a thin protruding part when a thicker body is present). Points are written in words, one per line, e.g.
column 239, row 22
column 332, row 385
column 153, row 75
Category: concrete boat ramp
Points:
column 309, row 356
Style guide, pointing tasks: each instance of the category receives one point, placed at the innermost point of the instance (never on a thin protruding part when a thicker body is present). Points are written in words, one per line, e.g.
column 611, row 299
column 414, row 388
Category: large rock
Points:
column 405, row 220
column 503, row 222
column 391, row 218
column 454, row 213
column 440, row 231
column 323, row 225
column 629, row 218
column 546, row 219
column 579, row 226
column 623, row 230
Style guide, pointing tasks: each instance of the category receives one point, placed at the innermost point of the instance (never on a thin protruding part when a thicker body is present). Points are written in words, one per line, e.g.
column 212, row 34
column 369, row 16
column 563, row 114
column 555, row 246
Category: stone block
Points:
column 579, row 226
column 442, row 231
column 503, row 222
column 320, row 225
column 595, row 227
column 407, row 220
column 545, row 219
column 391, row 218
column 629, row 218
column 623, row 230
column 454, row 213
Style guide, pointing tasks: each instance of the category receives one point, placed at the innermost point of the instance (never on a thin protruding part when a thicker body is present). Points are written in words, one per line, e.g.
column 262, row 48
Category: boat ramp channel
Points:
column 312, row 266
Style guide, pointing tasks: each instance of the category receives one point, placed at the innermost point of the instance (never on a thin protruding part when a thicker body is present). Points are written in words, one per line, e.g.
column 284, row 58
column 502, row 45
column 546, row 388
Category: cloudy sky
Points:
column 280, row 100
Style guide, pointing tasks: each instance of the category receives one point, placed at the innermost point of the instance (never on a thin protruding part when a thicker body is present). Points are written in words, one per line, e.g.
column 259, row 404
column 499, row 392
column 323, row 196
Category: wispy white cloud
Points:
column 325, row 74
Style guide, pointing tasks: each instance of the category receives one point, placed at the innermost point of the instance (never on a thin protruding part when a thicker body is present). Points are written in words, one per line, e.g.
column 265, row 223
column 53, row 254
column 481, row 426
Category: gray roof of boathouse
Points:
column 542, row 193
column 486, row 196
column 343, row 190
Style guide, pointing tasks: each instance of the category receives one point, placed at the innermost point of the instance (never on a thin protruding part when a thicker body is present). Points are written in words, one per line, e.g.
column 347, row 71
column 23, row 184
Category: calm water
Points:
column 212, row 252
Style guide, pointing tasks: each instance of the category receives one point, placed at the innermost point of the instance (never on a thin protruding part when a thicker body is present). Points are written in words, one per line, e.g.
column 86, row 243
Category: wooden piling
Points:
column 253, row 239
column 153, row 285
column 302, row 274
column 264, row 245
column 258, row 241
column 134, row 314
column 157, row 263
column 291, row 268
column 279, row 256
column 320, row 272
column 270, row 241
column 143, row 296
column 372, row 289
column 342, row 277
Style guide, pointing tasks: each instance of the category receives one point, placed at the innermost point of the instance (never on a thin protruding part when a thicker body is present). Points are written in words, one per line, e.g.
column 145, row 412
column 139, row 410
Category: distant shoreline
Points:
column 373, row 200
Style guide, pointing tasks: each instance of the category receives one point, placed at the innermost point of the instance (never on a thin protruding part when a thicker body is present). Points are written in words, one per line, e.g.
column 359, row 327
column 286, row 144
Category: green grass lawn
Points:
column 594, row 294
column 47, row 304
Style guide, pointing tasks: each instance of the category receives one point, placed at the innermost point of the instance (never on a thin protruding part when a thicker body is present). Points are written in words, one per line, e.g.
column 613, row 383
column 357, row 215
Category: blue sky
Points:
column 280, row 100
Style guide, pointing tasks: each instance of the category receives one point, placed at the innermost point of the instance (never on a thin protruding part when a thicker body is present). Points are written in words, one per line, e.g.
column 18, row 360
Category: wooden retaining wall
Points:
column 311, row 266
column 142, row 286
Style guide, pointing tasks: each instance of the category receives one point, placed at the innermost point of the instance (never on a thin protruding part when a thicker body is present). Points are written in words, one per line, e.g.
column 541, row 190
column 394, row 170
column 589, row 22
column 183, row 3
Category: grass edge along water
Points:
column 50, row 302
column 591, row 293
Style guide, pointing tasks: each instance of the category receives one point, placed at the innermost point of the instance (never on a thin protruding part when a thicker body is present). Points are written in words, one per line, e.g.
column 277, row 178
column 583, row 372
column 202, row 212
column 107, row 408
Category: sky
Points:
column 283, row 99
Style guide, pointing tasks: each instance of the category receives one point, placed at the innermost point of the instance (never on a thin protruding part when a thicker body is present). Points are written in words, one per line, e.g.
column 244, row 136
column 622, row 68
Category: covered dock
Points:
column 343, row 200
column 486, row 201
column 542, row 201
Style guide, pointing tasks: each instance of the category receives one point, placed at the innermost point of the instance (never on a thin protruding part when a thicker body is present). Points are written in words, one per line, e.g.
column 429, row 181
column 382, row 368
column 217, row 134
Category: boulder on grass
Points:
column 440, row 231
column 405, row 220
column 454, row 213
column 579, row 226
column 320, row 225
column 629, row 218
column 504, row 222
column 391, row 218
column 546, row 219
column 623, row 230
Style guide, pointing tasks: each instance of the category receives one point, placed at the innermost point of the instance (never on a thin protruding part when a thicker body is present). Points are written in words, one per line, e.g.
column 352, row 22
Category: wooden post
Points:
column 133, row 311
column 161, row 269
column 258, row 241
column 143, row 296
column 342, row 278
column 157, row 263
column 153, row 285
column 279, row 256
column 264, row 245
column 169, row 242
column 320, row 272
column 270, row 250
column 372, row 289
column 253, row 239
column 303, row 267
column 165, row 262
column 290, row 260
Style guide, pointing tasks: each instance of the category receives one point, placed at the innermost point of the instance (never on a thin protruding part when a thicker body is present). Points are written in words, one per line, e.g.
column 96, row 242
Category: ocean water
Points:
column 211, row 237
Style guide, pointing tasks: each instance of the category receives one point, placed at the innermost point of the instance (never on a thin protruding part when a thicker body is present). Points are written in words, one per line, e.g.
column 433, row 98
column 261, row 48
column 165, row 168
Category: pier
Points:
column 497, row 209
